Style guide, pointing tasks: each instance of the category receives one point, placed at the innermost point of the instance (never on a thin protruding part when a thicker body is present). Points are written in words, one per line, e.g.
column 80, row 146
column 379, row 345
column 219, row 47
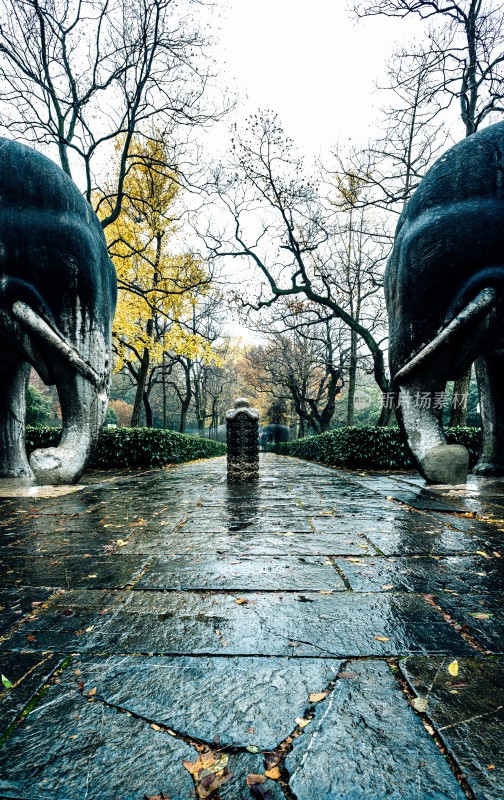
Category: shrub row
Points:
column 370, row 447
column 124, row 448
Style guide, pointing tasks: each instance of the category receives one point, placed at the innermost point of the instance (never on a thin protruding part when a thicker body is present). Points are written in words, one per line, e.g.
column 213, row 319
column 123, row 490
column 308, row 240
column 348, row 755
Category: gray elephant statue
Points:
column 444, row 289
column 58, row 291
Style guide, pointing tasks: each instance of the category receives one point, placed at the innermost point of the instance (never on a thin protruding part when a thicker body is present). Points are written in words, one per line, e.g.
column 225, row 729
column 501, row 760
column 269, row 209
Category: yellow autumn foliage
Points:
column 158, row 288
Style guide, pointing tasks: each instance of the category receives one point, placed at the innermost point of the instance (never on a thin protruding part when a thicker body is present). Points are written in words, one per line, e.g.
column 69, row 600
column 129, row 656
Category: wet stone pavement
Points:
column 316, row 635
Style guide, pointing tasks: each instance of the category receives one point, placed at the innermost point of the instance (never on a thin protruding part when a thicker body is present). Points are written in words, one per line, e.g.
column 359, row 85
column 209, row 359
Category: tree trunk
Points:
column 163, row 383
column 148, row 410
column 458, row 414
column 386, row 415
column 185, row 401
column 352, row 375
column 183, row 414
column 301, row 428
column 140, row 390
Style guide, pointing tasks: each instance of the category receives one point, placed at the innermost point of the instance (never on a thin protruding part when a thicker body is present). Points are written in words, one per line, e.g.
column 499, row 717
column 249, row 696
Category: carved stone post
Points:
column 242, row 424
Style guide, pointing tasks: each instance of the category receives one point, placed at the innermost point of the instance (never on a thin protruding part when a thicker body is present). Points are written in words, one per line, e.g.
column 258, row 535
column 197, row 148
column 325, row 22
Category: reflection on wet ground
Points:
column 348, row 623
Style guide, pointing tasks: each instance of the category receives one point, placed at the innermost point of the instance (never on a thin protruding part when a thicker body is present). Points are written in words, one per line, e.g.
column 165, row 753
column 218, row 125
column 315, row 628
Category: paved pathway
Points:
column 318, row 635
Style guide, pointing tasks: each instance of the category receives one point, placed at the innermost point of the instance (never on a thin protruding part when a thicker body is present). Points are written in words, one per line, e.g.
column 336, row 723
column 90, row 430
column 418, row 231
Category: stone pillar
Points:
column 242, row 424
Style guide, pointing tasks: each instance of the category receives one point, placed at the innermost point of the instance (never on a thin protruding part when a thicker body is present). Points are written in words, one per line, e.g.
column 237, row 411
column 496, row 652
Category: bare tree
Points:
column 360, row 247
column 464, row 51
column 391, row 166
column 81, row 74
column 303, row 362
column 188, row 375
column 281, row 226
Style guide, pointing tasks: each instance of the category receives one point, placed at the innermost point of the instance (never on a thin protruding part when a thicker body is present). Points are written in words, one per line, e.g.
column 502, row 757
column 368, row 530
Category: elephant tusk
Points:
column 42, row 330
column 477, row 307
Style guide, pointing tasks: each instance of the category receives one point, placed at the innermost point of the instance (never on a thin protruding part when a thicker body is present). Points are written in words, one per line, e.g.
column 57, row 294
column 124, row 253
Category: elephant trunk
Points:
column 83, row 409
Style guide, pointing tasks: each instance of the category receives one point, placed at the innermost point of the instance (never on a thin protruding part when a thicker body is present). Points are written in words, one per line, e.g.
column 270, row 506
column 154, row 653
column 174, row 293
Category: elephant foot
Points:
column 446, row 463
column 489, row 469
column 16, row 472
column 56, row 465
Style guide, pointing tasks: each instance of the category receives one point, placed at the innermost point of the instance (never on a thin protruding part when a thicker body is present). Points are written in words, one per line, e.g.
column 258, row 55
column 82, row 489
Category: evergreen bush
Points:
column 124, row 448
column 370, row 447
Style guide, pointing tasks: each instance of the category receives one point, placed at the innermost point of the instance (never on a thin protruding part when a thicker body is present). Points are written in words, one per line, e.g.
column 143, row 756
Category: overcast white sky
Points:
column 312, row 62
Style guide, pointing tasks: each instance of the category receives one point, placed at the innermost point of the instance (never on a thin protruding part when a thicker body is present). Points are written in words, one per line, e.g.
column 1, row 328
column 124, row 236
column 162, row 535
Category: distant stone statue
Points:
column 444, row 287
column 272, row 434
column 242, row 424
column 58, row 292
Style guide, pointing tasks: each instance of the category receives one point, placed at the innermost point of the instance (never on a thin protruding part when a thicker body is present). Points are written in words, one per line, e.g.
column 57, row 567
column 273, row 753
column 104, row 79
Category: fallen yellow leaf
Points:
column 482, row 553
column 382, row 638
column 453, row 668
column 302, row 722
column 253, row 779
column 420, row 704
column 387, row 586
column 273, row 773
column 316, row 697
column 241, row 601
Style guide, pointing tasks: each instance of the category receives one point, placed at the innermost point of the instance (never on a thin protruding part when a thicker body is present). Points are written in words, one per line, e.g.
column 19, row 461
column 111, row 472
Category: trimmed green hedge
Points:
column 124, row 448
column 370, row 447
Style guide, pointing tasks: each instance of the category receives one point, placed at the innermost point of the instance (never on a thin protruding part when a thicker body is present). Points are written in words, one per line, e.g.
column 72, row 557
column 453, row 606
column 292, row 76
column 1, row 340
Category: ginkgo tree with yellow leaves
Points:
column 159, row 283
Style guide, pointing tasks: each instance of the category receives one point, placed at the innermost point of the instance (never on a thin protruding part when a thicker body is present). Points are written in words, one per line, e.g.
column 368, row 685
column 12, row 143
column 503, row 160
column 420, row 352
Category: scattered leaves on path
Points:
column 210, row 773
column 6, row 682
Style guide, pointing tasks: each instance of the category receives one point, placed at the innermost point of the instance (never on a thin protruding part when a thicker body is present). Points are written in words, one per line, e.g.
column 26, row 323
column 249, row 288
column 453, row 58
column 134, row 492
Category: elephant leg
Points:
column 438, row 461
column 83, row 408
column 489, row 373
column 13, row 384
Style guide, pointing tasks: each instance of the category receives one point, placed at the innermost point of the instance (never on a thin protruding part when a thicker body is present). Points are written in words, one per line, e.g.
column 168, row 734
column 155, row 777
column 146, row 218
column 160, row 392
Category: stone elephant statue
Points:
column 58, row 290
column 444, row 289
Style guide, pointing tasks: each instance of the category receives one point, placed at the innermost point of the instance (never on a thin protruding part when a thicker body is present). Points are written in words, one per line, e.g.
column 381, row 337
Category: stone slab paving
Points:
column 27, row 672
column 431, row 575
column 276, row 573
column 357, row 731
column 165, row 635
column 468, row 712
